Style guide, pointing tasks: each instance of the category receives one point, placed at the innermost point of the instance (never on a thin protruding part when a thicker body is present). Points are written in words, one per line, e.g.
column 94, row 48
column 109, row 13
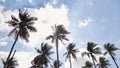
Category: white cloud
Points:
column 85, row 22
column 3, row 41
column 30, row 1
column 23, row 58
column 5, row 16
column 3, row 0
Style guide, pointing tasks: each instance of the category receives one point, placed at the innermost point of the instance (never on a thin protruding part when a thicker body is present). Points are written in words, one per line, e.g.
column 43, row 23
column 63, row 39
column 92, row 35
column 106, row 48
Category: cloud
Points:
column 3, row 41
column 5, row 16
column 30, row 1
column 23, row 58
column 2, row 0
column 85, row 22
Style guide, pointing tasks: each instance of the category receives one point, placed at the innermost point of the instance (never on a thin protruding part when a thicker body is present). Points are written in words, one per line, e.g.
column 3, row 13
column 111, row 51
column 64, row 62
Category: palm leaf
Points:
column 14, row 18
column 31, row 28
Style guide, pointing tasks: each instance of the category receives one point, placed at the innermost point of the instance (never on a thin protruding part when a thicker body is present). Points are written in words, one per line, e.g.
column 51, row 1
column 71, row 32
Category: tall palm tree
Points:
column 92, row 50
column 59, row 34
column 103, row 63
column 21, row 29
column 88, row 64
column 12, row 62
column 71, row 52
column 43, row 58
column 110, row 49
column 55, row 64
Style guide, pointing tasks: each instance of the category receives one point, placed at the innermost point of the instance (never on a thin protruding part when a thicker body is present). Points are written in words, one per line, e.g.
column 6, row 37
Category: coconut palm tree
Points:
column 88, row 64
column 59, row 34
column 12, row 62
column 43, row 58
column 103, row 63
column 110, row 49
column 71, row 52
column 92, row 50
column 21, row 29
column 55, row 64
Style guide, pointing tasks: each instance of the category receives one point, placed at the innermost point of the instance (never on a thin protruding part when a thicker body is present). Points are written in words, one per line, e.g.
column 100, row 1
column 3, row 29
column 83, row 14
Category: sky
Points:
column 87, row 20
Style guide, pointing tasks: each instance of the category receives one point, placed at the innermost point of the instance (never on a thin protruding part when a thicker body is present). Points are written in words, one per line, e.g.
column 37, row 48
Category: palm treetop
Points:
column 59, row 33
column 88, row 64
column 45, row 49
column 91, row 47
column 110, row 49
column 44, row 55
column 22, row 25
column 103, row 63
column 71, row 51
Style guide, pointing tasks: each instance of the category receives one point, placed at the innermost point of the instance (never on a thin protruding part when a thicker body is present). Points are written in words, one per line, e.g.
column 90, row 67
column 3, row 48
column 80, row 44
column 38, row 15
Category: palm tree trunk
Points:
column 6, row 66
column 114, row 61
column 70, row 61
column 93, row 60
column 57, row 53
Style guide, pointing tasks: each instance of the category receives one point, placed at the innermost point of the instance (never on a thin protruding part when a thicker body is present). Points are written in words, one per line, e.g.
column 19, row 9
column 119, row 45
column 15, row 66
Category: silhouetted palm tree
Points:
column 12, row 62
column 88, row 64
column 103, row 63
column 71, row 52
column 59, row 34
column 55, row 64
column 21, row 29
column 110, row 48
column 43, row 58
column 92, row 50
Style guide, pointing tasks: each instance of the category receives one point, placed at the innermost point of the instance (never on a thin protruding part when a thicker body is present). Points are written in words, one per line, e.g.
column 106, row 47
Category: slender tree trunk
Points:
column 57, row 53
column 114, row 61
column 70, row 61
column 6, row 66
column 93, row 60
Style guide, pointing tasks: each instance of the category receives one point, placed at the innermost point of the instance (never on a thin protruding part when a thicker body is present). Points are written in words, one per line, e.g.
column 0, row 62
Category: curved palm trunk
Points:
column 70, row 61
column 5, row 66
column 93, row 60
column 57, row 53
column 114, row 61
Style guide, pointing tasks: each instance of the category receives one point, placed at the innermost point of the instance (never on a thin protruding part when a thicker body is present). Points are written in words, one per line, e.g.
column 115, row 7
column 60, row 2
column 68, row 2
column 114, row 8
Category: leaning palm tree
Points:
column 92, row 50
column 43, row 58
column 55, row 64
column 71, row 52
column 59, row 34
column 88, row 64
column 110, row 48
column 103, row 63
column 12, row 62
column 21, row 29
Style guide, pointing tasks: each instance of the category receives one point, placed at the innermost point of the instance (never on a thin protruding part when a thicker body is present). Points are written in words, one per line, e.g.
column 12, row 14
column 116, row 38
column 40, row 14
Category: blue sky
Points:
column 87, row 20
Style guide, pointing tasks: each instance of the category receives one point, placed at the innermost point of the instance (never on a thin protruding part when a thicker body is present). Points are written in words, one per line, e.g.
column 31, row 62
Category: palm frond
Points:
column 12, row 23
column 105, row 53
column 14, row 18
column 31, row 28
column 12, row 32
column 85, row 53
